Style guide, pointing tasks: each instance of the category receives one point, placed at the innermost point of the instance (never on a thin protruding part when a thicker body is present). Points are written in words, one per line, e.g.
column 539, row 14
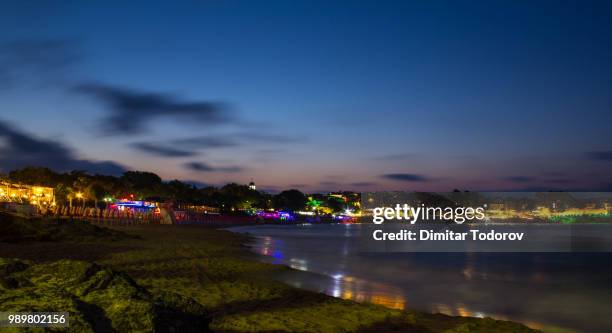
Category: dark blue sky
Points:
column 423, row 95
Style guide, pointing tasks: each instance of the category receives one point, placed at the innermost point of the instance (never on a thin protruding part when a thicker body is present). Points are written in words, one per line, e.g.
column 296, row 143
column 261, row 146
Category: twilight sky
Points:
column 315, row 95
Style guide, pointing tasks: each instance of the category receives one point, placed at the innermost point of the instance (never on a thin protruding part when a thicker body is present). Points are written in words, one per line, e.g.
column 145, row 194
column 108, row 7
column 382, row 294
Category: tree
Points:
column 144, row 184
column 181, row 192
column 96, row 192
column 239, row 196
column 79, row 187
column 290, row 200
column 337, row 205
column 35, row 176
column 62, row 192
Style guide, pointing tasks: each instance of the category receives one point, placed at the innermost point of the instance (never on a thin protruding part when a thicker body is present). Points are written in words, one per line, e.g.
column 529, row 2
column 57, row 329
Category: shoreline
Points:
column 277, row 247
column 202, row 272
column 290, row 270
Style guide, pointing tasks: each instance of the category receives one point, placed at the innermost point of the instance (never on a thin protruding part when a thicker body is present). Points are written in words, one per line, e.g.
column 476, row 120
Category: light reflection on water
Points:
column 566, row 292
column 359, row 290
column 346, row 287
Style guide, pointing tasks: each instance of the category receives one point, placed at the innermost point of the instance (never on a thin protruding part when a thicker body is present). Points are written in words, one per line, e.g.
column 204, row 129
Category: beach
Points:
column 190, row 278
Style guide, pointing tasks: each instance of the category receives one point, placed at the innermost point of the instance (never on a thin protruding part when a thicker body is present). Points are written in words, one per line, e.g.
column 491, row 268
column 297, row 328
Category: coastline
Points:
column 248, row 244
column 327, row 259
column 211, row 274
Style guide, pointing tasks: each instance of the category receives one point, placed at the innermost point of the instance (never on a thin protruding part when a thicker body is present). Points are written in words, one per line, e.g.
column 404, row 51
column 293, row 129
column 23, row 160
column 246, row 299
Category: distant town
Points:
column 138, row 197
column 556, row 207
column 142, row 197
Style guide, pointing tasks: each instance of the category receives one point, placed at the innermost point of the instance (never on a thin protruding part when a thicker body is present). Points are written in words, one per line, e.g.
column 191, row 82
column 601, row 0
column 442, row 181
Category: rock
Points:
column 98, row 298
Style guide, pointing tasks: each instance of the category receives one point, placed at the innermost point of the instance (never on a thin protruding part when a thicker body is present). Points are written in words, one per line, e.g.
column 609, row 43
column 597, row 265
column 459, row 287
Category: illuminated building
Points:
column 275, row 215
column 133, row 205
column 252, row 186
column 37, row 195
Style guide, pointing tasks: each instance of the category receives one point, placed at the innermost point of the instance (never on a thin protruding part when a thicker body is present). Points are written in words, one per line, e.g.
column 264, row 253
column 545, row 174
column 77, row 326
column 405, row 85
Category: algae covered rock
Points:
column 7, row 268
column 97, row 298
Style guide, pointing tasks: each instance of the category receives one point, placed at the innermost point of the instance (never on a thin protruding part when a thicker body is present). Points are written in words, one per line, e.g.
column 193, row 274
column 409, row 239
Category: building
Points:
column 252, row 186
column 27, row 194
column 134, row 205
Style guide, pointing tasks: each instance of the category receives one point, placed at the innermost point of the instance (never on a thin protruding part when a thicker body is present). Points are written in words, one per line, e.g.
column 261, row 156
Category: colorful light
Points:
column 132, row 203
column 276, row 215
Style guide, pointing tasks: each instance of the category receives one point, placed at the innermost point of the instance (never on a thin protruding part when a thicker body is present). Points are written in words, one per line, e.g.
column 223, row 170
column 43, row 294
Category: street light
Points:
column 79, row 195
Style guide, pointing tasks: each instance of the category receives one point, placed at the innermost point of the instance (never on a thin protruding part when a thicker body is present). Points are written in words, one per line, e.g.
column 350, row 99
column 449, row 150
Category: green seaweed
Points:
column 98, row 298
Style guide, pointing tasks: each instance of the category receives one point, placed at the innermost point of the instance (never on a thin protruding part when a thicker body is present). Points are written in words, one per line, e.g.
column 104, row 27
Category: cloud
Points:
column 190, row 146
column 203, row 167
column 37, row 61
column 535, row 188
column 203, row 142
column 131, row 110
column 362, row 184
column 18, row 150
column 406, row 177
column 276, row 138
column 519, row 179
column 602, row 155
column 161, row 150
column 332, row 185
column 235, row 139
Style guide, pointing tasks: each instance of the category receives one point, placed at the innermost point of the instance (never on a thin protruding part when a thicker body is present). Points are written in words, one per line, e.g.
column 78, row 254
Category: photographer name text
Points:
column 446, row 235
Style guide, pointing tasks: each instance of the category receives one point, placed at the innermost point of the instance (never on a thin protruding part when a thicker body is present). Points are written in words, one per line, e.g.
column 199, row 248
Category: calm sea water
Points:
column 555, row 292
